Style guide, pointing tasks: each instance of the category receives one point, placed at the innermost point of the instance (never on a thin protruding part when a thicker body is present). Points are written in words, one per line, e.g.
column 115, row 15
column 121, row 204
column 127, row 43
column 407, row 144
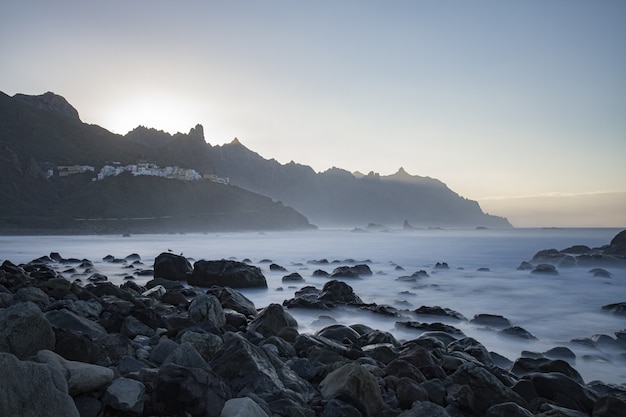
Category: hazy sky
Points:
column 520, row 105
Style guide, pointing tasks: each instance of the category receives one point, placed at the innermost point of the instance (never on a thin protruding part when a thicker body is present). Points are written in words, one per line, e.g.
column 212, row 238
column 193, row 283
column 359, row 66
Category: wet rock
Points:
column 233, row 299
column 563, row 391
column 34, row 295
column 339, row 408
column 525, row 266
column 162, row 350
column 226, row 273
column 172, row 267
column 517, row 332
column 340, row 333
column 24, row 330
column 76, row 347
column 545, row 269
column 610, row 406
column 125, row 395
column 320, row 273
column 186, row 355
column 293, row 277
column 33, row 389
column 339, row 292
column 247, row 368
column 131, row 327
column 524, row 366
column 205, row 308
column 425, row 409
column 600, row 272
column 473, row 348
column 355, row 271
column 80, row 377
column 408, row 391
column 272, row 320
column 616, row 308
column 354, row 384
column 442, row 266
column 491, row 320
column 68, row 321
column 206, row 344
column 487, row 389
column 508, row 410
column 276, row 267
column 431, row 327
column 376, row 337
column 439, row 311
column 242, row 407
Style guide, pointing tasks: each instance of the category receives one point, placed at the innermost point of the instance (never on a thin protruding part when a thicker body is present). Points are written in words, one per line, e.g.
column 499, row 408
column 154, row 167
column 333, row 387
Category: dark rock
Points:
column 33, row 294
column 610, row 406
column 276, row 267
column 293, row 277
column 205, row 308
column 576, row 250
column 88, row 406
column 339, row 292
column 545, row 269
column 125, row 395
column 617, row 308
column 488, row 390
column 340, row 333
column 174, row 298
column 272, row 320
column 619, row 239
column 563, row 391
column 425, row 408
column 233, row 299
column 76, row 347
column 430, row 327
column 339, row 408
column 242, row 407
column 80, row 377
column 131, row 327
column 524, row 366
column 196, row 391
column 168, row 284
column 525, row 266
column 408, row 391
column 355, row 271
column 376, row 337
column 354, row 384
column 172, row 267
column 491, row 320
column 33, row 389
column 439, row 311
column 68, row 321
column 441, row 266
column 320, row 273
column 186, row 355
column 383, row 309
column 24, row 330
column 402, row 368
column 226, row 273
column 508, row 410
column 473, row 348
column 250, row 369
column 206, row 344
column 560, row 352
column 517, row 332
column 162, row 350
column 600, row 272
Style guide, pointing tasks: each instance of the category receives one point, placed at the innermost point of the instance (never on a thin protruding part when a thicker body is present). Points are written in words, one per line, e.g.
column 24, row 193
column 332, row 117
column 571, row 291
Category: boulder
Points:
column 339, row 292
column 487, row 389
column 440, row 311
column 524, row 366
column 179, row 389
column 472, row 347
column 226, row 273
column 491, row 320
column 353, row 384
column 34, row 295
column 247, row 368
column 242, row 407
column 125, row 395
column 132, row 327
column 68, row 321
column 234, row 300
column 518, row 332
column 272, row 320
column 616, row 308
column 422, row 409
column 339, row 333
column 563, row 391
column 33, row 389
column 24, row 330
column 355, row 271
column 207, row 344
column 186, row 355
column 293, row 277
column 545, row 269
column 408, row 391
column 172, row 267
column 508, row 410
column 205, row 308
column 81, row 377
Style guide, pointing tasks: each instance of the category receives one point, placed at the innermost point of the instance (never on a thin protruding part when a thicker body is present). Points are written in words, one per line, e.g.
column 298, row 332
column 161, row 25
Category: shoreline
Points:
column 202, row 329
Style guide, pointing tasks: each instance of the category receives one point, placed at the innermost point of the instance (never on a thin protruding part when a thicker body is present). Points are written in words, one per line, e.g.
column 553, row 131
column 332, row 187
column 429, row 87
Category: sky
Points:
column 520, row 106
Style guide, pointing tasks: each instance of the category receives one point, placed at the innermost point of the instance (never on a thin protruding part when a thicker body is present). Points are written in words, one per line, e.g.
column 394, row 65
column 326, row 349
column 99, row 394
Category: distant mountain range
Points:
column 40, row 133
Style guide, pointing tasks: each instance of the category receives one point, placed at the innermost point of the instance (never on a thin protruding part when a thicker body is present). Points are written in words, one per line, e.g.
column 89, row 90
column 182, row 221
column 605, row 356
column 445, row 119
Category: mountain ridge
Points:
column 334, row 197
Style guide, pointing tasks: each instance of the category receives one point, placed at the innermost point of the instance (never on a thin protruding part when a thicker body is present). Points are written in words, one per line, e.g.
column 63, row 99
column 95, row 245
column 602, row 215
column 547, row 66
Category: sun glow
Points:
column 158, row 111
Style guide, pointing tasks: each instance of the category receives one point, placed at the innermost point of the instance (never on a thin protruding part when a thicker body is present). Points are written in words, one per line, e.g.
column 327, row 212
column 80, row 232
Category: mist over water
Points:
column 555, row 309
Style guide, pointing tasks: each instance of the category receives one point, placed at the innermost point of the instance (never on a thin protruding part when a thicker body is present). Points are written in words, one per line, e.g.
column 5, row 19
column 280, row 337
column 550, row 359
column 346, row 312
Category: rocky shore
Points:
column 188, row 343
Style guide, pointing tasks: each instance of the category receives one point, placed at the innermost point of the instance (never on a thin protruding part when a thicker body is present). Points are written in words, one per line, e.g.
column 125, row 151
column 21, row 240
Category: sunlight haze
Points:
column 518, row 105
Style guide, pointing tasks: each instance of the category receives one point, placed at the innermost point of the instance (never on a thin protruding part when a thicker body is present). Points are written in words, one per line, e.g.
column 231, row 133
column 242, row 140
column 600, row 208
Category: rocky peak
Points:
column 50, row 102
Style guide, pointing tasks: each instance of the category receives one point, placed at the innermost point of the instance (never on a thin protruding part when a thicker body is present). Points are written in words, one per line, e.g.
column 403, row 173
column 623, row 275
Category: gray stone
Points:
column 172, row 267
column 131, row 327
column 242, row 407
column 87, row 309
column 66, row 320
column 162, row 350
column 226, row 273
column 30, row 389
column 424, row 409
column 271, row 320
column 126, row 395
column 81, row 377
column 186, row 355
column 207, row 344
column 507, row 410
column 207, row 308
column 563, row 391
column 356, row 383
column 24, row 330
column 234, row 300
column 34, row 295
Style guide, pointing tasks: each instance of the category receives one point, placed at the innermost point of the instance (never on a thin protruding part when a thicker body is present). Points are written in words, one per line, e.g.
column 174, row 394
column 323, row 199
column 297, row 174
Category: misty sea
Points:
column 555, row 309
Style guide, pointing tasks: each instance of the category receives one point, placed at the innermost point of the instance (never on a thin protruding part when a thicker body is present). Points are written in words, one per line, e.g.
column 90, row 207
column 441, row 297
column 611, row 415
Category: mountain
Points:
column 41, row 133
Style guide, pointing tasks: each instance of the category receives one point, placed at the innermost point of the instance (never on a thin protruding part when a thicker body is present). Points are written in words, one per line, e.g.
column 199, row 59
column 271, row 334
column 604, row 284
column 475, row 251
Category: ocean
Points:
column 555, row 309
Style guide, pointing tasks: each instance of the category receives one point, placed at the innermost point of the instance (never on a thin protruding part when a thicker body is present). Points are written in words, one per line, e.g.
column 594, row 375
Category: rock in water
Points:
column 226, row 273
column 172, row 267
column 33, row 389
column 352, row 383
column 24, row 330
column 271, row 320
